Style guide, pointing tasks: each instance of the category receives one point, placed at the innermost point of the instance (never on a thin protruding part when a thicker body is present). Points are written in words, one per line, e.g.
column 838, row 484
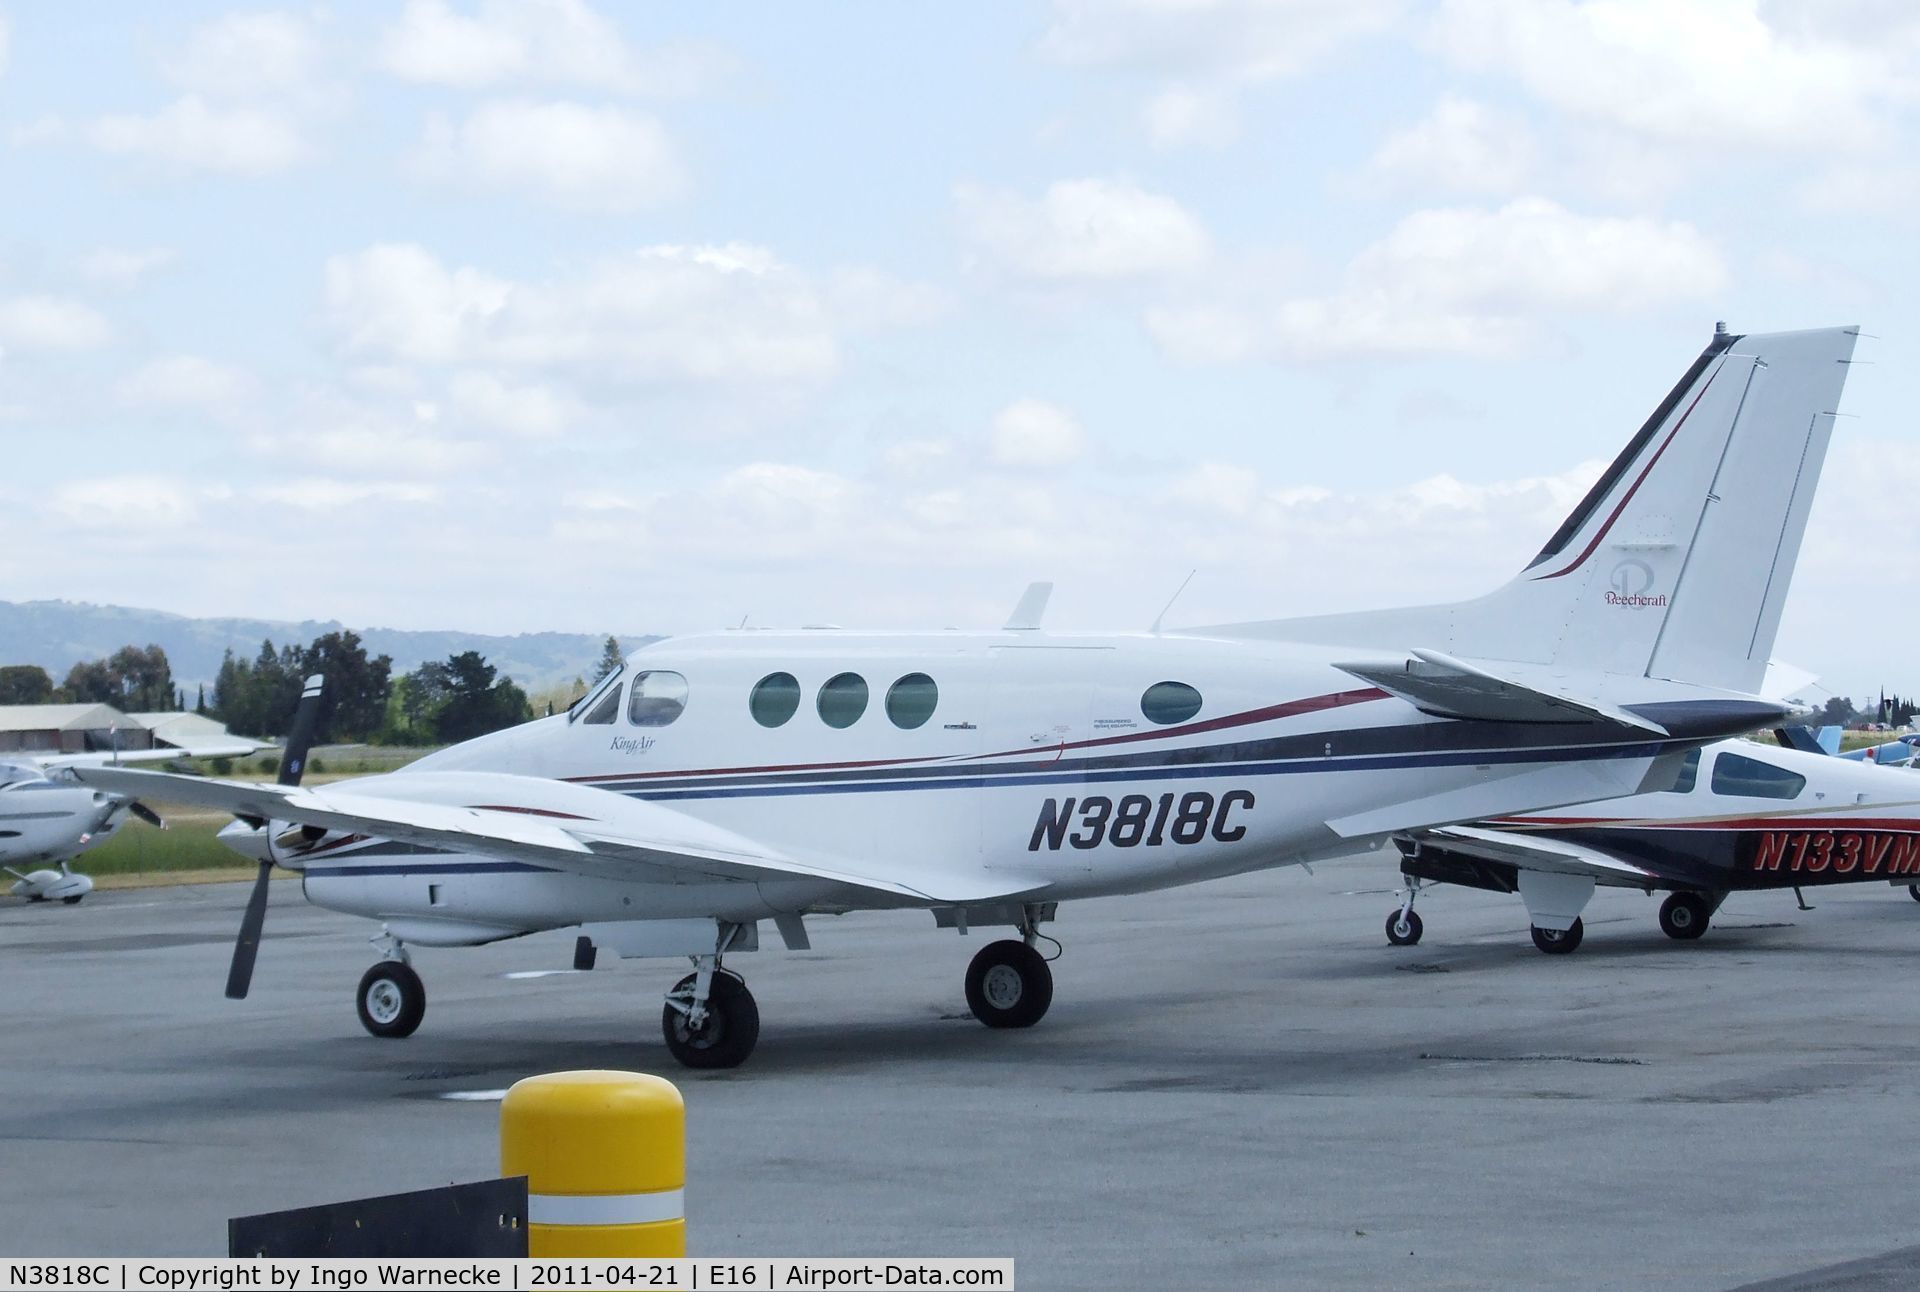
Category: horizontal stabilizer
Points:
column 1455, row 688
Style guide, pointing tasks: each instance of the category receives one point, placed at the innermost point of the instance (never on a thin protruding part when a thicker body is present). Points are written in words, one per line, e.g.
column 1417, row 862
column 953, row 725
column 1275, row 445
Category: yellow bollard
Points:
column 605, row 1156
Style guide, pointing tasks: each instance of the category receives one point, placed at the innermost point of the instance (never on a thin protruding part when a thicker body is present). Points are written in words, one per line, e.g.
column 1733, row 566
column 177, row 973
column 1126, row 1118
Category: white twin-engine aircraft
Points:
column 722, row 781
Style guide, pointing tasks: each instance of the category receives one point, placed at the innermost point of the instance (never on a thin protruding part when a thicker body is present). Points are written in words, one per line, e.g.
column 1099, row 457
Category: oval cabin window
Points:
column 843, row 699
column 911, row 701
column 775, row 698
column 1169, row 702
column 658, row 698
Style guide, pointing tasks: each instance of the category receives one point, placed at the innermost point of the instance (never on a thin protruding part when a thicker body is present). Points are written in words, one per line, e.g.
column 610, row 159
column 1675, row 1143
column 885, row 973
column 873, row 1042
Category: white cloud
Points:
column 485, row 400
column 1461, row 280
column 1180, row 115
column 249, row 56
column 1035, row 433
column 125, row 503
column 538, row 42
column 711, row 314
column 567, row 154
column 1244, row 39
column 1460, row 145
column 1691, row 72
column 187, row 380
column 1082, row 229
column 191, row 135
column 123, row 266
column 51, row 323
column 324, row 493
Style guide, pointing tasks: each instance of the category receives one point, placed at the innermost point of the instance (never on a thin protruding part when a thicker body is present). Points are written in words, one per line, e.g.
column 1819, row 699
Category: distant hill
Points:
column 56, row 635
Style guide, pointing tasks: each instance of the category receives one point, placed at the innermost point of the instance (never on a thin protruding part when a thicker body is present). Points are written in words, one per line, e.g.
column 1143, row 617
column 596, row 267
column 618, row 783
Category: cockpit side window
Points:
column 658, row 698
column 1751, row 778
column 598, row 705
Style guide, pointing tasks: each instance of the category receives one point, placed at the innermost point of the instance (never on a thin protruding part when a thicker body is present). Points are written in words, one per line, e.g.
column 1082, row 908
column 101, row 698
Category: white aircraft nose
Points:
column 248, row 840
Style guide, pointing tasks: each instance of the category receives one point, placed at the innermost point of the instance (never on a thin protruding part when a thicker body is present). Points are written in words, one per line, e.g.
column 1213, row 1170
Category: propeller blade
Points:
column 247, row 945
column 293, row 760
column 146, row 814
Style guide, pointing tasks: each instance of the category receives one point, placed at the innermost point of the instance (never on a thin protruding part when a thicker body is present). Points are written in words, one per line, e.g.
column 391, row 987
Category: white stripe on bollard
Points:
column 606, row 1208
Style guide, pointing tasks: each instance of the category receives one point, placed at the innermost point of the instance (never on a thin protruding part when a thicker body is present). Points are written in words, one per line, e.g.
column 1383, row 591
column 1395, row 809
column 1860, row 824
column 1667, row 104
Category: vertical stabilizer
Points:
column 1676, row 564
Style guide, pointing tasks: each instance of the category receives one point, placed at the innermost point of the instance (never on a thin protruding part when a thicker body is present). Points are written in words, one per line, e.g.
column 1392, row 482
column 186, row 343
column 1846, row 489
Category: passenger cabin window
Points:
column 843, row 699
column 1689, row 773
column 1751, row 778
column 911, row 701
column 600, row 704
column 775, row 698
column 1169, row 702
column 658, row 698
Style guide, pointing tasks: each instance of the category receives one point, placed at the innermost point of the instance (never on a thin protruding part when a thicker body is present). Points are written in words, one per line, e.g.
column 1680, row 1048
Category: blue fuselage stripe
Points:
column 1184, row 771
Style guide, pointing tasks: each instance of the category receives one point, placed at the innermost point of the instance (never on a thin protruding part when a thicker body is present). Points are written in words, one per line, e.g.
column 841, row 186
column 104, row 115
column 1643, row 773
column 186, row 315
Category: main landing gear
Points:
column 1684, row 916
column 710, row 1019
column 1008, row 982
column 1559, row 942
column 392, row 1000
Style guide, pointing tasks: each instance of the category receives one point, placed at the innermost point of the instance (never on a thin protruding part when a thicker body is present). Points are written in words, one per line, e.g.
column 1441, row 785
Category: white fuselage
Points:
column 42, row 820
column 1038, row 765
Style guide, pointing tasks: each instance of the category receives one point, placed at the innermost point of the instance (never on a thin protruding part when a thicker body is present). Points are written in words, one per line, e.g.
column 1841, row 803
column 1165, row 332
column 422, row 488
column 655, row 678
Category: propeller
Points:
column 293, row 762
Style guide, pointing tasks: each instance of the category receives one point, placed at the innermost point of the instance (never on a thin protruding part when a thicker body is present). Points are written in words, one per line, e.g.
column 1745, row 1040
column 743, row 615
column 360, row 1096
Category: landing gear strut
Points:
column 710, row 1019
column 1008, row 982
column 392, row 1000
column 1403, row 925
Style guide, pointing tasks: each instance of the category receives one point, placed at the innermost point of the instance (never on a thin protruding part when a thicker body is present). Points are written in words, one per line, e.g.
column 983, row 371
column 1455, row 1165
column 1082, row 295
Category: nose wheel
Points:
column 392, row 1000
column 716, row 1028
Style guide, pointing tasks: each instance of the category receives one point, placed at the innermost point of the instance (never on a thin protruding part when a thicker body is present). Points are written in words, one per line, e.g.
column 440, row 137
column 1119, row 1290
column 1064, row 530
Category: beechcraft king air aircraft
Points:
column 720, row 782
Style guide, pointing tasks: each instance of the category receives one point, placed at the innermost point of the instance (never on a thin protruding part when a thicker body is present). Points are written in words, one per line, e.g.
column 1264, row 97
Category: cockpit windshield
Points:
column 19, row 774
column 590, row 701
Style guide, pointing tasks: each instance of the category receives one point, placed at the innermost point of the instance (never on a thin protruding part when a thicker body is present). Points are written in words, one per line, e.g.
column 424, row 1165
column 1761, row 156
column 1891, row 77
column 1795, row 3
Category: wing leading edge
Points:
column 650, row 844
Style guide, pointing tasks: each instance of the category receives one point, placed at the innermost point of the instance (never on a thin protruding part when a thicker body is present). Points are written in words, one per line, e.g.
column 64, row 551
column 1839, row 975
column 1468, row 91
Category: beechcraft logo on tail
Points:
column 1631, row 585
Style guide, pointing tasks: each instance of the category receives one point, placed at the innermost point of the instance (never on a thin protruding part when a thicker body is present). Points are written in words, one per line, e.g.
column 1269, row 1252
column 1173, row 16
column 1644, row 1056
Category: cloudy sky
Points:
column 526, row 314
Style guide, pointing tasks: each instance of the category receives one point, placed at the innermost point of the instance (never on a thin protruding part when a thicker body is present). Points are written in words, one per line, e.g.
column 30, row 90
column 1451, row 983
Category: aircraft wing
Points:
column 650, row 844
column 107, row 758
column 1447, row 687
column 1534, row 852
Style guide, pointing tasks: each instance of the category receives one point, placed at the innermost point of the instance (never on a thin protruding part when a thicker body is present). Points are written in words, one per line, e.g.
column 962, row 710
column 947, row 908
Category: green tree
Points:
column 133, row 679
column 25, row 684
column 610, row 658
column 354, row 703
column 478, row 700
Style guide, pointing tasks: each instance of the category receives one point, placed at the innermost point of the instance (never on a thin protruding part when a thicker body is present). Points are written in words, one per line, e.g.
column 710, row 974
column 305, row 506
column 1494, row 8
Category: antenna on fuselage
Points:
column 1161, row 617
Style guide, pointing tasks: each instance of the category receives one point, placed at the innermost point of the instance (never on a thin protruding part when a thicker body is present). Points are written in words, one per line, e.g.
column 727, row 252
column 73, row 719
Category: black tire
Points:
column 1913, row 891
column 730, row 1031
column 1556, row 943
column 1009, row 985
column 1403, row 933
column 71, row 901
column 1684, row 916
column 391, row 1001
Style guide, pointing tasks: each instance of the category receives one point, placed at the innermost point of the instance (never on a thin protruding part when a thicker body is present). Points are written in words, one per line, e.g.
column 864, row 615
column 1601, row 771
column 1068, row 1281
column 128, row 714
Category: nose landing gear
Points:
column 391, row 1000
column 710, row 1019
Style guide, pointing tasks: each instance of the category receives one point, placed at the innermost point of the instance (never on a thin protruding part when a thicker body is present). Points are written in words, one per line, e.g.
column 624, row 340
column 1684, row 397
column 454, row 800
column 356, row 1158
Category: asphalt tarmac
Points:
column 1239, row 1085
